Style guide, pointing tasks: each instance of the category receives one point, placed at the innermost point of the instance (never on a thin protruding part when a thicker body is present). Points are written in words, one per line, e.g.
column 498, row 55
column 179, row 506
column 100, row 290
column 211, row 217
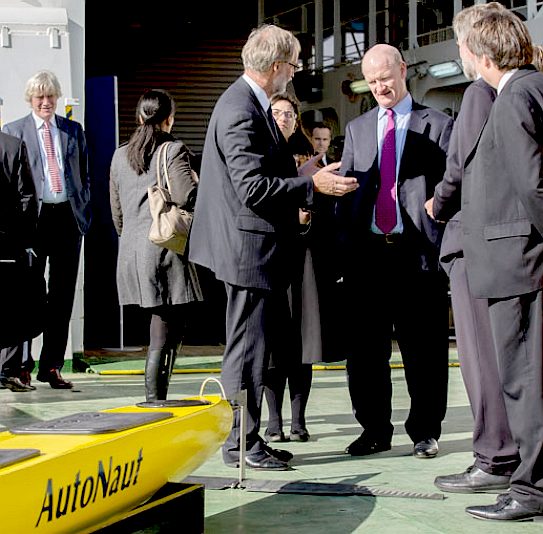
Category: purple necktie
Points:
column 385, row 205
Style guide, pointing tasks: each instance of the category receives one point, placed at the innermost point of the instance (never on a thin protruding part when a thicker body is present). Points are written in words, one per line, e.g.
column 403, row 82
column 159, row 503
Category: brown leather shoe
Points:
column 55, row 379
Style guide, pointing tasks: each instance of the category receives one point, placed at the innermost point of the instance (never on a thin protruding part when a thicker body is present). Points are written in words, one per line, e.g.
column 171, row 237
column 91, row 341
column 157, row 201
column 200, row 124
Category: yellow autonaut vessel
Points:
column 76, row 473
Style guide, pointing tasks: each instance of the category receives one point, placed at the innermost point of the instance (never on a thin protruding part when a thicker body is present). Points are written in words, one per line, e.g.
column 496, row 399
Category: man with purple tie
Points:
column 390, row 250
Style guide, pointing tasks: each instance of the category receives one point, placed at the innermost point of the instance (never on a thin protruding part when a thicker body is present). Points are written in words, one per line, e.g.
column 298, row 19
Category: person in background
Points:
column 246, row 223
column 18, row 218
column 390, row 252
column 495, row 451
column 321, row 137
column 149, row 276
column 502, row 223
column 57, row 153
column 293, row 368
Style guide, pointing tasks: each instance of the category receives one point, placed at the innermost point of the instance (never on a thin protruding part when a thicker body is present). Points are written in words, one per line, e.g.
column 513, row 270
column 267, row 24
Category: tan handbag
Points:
column 171, row 224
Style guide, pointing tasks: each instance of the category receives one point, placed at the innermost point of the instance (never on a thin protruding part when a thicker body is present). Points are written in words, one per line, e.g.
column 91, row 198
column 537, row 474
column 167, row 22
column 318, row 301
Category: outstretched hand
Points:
column 328, row 182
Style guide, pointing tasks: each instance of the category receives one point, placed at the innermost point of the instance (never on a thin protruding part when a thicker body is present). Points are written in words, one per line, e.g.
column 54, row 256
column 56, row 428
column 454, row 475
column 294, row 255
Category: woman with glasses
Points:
column 306, row 337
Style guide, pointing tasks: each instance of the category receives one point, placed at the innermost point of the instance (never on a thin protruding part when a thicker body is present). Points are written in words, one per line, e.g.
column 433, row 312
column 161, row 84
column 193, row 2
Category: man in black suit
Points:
column 502, row 222
column 18, row 215
column 58, row 161
column 245, row 224
column 495, row 451
column 321, row 137
column 397, row 153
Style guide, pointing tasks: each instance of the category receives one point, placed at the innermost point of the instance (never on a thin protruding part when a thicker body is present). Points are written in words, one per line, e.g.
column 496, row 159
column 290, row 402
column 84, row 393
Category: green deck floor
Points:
column 332, row 427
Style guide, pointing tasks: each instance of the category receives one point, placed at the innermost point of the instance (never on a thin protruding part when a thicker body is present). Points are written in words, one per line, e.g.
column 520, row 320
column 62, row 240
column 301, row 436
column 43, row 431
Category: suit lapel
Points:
column 62, row 130
column 417, row 126
column 30, row 135
column 257, row 105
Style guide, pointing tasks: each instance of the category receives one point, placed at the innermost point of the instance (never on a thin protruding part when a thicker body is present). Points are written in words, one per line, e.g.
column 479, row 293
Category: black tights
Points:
column 299, row 385
column 167, row 327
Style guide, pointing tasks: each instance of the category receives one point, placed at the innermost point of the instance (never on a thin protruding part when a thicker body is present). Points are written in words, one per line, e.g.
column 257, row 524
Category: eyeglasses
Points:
column 287, row 114
column 293, row 65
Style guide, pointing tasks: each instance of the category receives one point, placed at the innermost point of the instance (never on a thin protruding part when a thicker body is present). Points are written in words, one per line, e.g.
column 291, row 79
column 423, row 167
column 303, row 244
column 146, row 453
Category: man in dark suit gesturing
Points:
column 245, row 221
column 502, row 224
column 397, row 153
column 495, row 451
column 58, row 161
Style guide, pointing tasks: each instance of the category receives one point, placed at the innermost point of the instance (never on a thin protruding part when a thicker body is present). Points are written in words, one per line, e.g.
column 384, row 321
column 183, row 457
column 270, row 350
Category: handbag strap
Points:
column 162, row 158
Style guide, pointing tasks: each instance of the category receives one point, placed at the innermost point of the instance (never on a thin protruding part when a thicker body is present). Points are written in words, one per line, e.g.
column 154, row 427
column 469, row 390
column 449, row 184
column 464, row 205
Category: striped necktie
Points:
column 52, row 163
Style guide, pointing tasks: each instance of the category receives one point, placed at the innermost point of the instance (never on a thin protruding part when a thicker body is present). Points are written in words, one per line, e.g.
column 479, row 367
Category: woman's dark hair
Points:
column 153, row 108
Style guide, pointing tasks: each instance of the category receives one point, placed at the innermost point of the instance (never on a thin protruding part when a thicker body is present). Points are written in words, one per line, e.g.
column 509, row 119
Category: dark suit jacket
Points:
column 476, row 105
column 18, row 208
column 421, row 168
column 18, row 216
column 75, row 163
column 502, row 194
column 246, row 214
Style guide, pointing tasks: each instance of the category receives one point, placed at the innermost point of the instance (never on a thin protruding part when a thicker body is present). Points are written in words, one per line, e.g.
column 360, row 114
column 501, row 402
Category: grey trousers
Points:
column 493, row 445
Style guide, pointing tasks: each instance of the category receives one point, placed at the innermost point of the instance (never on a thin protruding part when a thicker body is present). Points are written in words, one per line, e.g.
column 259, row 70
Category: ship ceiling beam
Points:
column 337, row 32
column 261, row 15
column 532, row 9
column 319, row 35
column 413, row 24
column 457, row 6
column 372, row 17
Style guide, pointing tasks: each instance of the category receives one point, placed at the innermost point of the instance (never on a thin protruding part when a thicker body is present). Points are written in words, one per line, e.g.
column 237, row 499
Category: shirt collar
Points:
column 38, row 121
column 403, row 107
column 260, row 94
column 505, row 78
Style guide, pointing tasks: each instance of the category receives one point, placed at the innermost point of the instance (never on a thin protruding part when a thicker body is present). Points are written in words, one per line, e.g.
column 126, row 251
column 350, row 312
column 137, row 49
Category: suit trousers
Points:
column 255, row 319
column 517, row 328
column 493, row 445
column 391, row 295
column 59, row 241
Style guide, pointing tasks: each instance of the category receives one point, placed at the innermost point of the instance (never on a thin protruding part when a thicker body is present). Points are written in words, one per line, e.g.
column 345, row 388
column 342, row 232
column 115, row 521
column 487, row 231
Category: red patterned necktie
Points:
column 52, row 163
column 385, row 206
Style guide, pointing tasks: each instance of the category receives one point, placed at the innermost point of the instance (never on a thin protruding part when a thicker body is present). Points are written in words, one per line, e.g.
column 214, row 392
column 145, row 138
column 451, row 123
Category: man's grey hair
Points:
column 43, row 83
column 268, row 44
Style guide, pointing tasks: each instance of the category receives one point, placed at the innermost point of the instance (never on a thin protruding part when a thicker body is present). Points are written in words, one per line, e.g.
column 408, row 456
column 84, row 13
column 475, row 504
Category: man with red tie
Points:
column 390, row 251
column 58, row 160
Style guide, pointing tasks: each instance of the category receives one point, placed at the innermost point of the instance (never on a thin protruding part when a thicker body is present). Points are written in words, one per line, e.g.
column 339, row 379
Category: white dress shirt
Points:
column 49, row 197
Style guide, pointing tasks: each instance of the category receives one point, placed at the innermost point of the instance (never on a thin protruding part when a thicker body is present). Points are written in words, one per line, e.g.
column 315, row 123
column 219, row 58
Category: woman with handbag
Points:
column 148, row 275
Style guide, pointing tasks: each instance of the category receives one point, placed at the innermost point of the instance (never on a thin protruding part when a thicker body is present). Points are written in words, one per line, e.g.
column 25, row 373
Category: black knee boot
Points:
column 153, row 365
column 165, row 373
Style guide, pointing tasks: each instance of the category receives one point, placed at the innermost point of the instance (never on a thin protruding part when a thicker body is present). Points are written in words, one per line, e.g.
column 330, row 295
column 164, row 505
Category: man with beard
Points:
column 245, row 224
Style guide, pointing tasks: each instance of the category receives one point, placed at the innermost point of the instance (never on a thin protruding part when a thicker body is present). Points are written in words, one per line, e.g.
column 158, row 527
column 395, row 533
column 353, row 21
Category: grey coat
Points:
column 149, row 275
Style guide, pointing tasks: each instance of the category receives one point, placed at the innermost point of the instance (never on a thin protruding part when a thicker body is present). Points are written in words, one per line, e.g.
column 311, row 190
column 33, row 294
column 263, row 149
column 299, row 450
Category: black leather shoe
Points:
column 364, row 445
column 299, row 435
column 505, row 509
column 14, row 384
column 279, row 454
column 472, row 480
column 427, row 448
column 263, row 461
column 274, row 437
column 55, row 379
